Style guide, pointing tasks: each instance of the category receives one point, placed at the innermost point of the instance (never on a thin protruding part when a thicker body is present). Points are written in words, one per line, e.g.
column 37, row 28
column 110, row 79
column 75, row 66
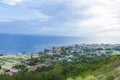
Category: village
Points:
column 10, row 64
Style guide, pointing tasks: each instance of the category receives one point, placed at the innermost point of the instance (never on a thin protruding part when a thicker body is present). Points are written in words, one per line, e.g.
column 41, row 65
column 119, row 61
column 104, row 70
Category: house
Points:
column 69, row 60
column 9, row 73
column 28, row 61
column 14, row 70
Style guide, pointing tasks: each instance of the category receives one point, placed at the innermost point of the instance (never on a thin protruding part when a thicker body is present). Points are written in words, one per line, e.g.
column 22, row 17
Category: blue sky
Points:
column 83, row 18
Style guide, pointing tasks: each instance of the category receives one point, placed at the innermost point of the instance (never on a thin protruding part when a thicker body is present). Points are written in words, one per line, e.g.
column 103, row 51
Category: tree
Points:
column 31, row 55
column 0, row 67
column 110, row 77
column 91, row 78
column 78, row 78
column 22, row 67
column 69, row 79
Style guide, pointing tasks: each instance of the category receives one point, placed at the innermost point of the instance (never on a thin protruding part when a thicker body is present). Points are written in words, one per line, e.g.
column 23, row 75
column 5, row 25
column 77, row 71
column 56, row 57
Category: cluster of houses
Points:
column 69, row 53
column 29, row 68
column 83, row 49
column 10, row 71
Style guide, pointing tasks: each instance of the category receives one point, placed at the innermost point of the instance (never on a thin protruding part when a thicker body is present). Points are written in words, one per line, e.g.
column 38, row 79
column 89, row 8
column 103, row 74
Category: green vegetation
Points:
column 12, row 59
column 94, row 68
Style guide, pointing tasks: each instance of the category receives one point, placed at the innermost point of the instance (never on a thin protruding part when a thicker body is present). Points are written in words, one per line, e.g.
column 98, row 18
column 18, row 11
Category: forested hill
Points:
column 92, row 68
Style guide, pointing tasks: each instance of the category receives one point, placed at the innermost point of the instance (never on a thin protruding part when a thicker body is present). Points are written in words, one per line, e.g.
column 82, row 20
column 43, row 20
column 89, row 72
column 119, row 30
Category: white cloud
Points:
column 103, row 15
column 99, row 16
column 11, row 2
column 5, row 20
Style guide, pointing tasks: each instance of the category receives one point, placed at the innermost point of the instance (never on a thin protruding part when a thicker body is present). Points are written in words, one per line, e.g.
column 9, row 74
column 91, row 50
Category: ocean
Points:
column 16, row 43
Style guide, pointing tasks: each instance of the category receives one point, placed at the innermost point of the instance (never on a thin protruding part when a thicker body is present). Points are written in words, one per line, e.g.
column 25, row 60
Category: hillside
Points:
column 99, row 68
column 108, row 70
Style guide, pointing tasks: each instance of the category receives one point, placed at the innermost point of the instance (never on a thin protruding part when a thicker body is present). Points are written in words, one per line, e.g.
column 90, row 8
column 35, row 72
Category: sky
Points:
column 98, row 19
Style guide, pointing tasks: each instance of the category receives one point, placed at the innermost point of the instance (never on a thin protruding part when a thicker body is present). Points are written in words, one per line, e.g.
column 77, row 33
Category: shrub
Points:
column 78, row 78
column 69, row 79
column 91, row 78
column 110, row 77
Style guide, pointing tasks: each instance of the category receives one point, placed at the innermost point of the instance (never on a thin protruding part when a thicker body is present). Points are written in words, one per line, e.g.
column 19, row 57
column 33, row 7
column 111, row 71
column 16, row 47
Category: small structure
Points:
column 9, row 73
column 28, row 61
column 14, row 70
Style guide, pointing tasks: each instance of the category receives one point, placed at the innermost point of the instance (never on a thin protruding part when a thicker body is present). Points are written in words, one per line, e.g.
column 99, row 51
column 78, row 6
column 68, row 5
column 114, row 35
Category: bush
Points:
column 69, row 79
column 78, row 78
column 110, row 78
column 91, row 78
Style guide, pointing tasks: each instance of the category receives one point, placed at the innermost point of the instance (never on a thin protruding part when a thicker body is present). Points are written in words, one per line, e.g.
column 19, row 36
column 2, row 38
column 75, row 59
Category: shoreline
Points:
column 35, row 52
